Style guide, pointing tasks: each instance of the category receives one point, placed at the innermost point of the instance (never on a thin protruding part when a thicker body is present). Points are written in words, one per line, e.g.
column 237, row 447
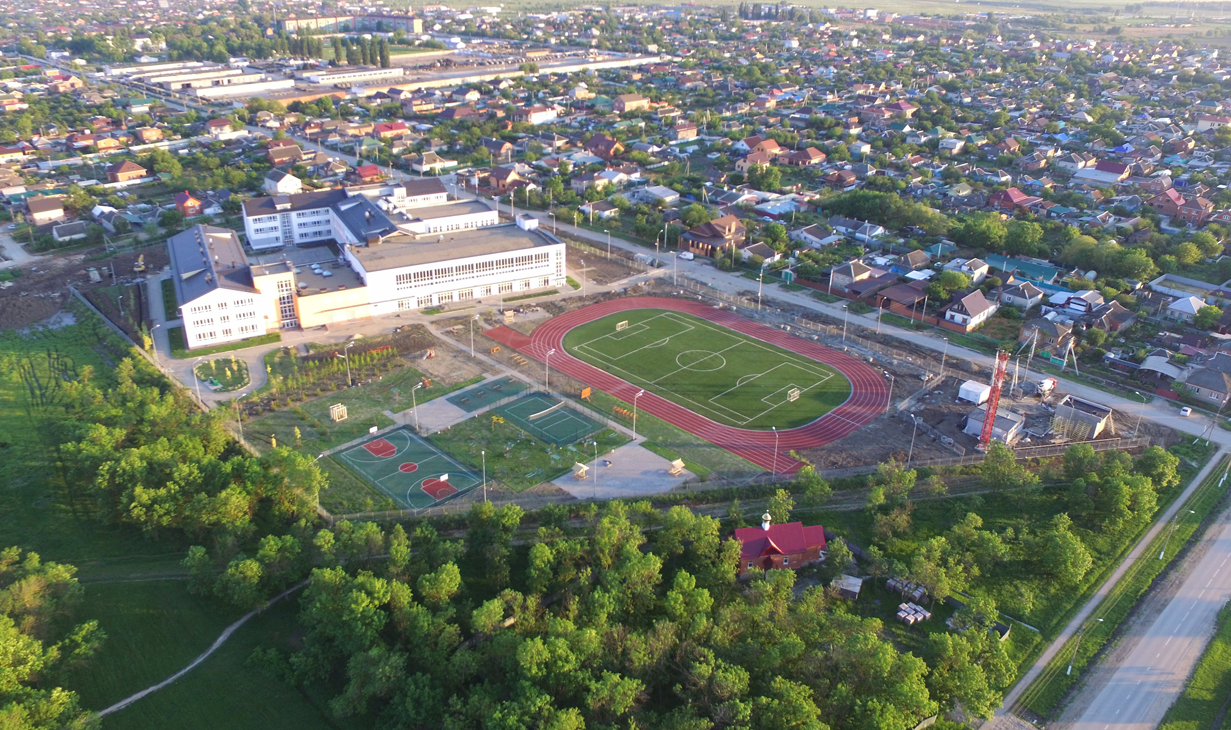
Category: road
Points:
column 1156, row 670
column 13, row 253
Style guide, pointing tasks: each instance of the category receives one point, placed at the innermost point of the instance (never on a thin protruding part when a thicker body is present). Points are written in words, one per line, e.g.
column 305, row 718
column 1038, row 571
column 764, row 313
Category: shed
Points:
column 974, row 392
column 848, row 586
column 580, row 471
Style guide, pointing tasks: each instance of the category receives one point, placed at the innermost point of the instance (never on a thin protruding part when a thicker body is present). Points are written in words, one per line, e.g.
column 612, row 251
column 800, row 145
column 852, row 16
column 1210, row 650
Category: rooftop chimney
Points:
column 765, row 520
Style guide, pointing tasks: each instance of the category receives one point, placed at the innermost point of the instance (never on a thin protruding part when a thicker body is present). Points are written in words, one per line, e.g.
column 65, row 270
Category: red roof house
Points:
column 368, row 173
column 1010, row 200
column 774, row 547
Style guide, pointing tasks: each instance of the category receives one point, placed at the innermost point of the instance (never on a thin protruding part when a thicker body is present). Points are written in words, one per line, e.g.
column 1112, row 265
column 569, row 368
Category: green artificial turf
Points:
column 718, row 373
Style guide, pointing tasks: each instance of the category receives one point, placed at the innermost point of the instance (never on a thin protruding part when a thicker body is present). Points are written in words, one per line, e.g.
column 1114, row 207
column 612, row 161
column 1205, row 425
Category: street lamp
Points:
column 547, row 369
column 1077, row 646
column 775, row 430
column 483, row 456
column 657, row 238
column 197, row 378
column 635, row 397
column 914, row 419
column 414, row 404
column 346, row 356
column 594, row 484
column 1140, row 407
column 608, row 242
column 845, row 311
column 942, row 357
column 472, row 321
column 889, row 400
column 1171, row 532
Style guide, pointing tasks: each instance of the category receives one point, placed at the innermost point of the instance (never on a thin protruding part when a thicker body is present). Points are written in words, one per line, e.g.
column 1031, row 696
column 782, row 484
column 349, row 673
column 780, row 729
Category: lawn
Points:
column 179, row 349
column 154, row 626
column 170, row 306
column 514, row 457
column 1207, row 692
column 223, row 374
column 718, row 373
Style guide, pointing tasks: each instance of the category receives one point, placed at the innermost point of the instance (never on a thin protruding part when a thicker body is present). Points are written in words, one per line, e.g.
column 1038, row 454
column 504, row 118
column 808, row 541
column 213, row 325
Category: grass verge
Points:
column 1206, row 694
column 1047, row 692
column 179, row 348
column 170, row 307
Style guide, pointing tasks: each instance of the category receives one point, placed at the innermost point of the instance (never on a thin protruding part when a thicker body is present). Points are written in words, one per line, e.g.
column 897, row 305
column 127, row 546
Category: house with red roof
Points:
column 1167, row 203
column 187, row 204
column 368, row 173
column 777, row 547
column 1010, row 200
column 390, row 130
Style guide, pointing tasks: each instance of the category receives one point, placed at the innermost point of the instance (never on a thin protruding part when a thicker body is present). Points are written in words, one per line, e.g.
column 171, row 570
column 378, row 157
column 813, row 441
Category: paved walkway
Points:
column 635, row 471
column 12, row 253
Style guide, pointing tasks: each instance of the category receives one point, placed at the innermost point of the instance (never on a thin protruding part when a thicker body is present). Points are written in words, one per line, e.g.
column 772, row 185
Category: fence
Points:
column 152, row 359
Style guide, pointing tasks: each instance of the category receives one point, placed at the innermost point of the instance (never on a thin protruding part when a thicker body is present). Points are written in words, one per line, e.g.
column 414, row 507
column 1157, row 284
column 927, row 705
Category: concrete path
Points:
column 13, row 254
column 635, row 471
column 1004, row 718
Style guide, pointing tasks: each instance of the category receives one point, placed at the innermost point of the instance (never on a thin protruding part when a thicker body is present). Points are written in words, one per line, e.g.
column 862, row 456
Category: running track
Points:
column 869, row 392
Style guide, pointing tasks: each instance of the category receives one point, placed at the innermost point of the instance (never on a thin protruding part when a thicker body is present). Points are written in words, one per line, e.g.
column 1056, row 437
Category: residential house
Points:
column 1210, row 384
column 284, row 154
column 125, row 171
column 1183, row 309
column 1167, row 203
column 631, row 103
column 682, row 132
column 1011, row 200
column 843, row 276
column 45, row 209
column 147, row 135
column 1195, row 211
column 535, row 114
column 776, row 547
column 280, row 182
column 187, row 204
column 430, row 162
column 603, row 147
column 503, row 178
column 217, row 128
column 390, row 130
column 1047, row 335
column 1022, row 295
column 709, row 238
column 498, row 149
column 806, row 157
column 970, row 310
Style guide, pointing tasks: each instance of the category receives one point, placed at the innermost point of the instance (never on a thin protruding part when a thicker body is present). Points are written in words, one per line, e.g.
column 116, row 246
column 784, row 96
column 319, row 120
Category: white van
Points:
column 687, row 255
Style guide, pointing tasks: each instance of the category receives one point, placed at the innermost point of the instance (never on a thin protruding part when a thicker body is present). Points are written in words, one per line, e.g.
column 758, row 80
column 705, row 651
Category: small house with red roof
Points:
column 775, row 547
column 1009, row 201
column 187, row 204
column 368, row 173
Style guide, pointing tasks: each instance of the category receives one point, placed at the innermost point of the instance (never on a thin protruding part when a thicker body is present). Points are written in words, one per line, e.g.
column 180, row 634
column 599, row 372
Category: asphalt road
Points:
column 1154, row 673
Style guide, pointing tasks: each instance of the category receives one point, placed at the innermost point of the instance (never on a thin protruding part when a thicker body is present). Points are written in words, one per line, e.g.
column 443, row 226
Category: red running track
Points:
column 869, row 392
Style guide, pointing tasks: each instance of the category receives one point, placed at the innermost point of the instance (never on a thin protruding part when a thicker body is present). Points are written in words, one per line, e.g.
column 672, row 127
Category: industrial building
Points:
column 1079, row 419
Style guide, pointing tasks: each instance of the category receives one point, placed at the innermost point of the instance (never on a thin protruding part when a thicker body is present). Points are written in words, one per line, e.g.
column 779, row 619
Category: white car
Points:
column 687, row 255
column 12, row 226
column 1186, row 411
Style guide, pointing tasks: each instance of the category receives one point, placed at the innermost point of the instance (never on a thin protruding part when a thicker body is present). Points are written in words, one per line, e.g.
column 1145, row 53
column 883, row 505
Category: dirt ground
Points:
column 450, row 366
column 41, row 291
column 599, row 268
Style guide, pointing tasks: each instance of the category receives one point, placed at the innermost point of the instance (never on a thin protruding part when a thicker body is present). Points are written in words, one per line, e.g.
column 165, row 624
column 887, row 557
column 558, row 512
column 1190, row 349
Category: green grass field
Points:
column 713, row 371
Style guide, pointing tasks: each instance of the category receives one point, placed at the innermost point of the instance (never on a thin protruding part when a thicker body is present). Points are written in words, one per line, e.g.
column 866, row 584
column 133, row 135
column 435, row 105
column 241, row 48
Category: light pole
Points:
column 608, row 242
column 547, row 369
column 483, row 456
column 1171, row 532
column 582, row 274
column 889, row 400
column 472, row 321
column 635, row 397
column 656, row 239
column 879, row 309
column 775, row 430
column 942, row 357
column 845, row 311
column 346, row 356
column 553, row 223
column 197, row 378
column 915, row 420
column 414, row 404
column 1078, row 646
column 594, row 484
column 1140, row 407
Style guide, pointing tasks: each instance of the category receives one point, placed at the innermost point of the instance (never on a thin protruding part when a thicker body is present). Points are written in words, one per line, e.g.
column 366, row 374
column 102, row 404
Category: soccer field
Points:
column 716, row 372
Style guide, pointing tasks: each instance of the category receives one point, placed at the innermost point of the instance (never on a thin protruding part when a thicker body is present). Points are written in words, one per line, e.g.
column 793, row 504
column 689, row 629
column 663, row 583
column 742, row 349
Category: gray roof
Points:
column 205, row 258
column 405, row 250
column 1211, row 380
column 364, row 219
column 269, row 205
column 426, row 186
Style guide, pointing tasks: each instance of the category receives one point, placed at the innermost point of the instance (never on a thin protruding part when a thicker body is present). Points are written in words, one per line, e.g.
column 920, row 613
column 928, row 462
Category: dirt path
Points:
column 222, row 638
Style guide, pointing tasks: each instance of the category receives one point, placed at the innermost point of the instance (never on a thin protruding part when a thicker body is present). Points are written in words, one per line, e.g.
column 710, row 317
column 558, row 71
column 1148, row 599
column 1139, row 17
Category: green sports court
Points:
column 484, row 394
column 549, row 419
column 407, row 469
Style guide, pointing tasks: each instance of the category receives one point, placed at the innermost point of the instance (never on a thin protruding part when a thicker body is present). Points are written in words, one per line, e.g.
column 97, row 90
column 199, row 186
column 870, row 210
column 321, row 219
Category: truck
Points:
column 1045, row 386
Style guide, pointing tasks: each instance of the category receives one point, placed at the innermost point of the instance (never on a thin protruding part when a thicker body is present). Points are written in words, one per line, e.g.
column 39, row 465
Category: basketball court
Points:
column 549, row 419
column 408, row 470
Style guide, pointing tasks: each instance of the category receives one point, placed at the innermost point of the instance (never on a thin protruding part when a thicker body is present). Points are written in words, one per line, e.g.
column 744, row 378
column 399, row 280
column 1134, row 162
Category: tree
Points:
column 695, row 214
column 172, row 219
column 1207, row 317
column 780, row 506
column 1209, row 246
column 1002, row 471
column 816, row 491
column 1160, row 465
column 1187, row 253
column 1023, row 237
column 983, row 231
column 1062, row 554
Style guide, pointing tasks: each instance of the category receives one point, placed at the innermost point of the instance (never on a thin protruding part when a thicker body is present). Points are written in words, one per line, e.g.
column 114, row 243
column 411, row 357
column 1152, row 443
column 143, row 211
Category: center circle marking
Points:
column 700, row 361
column 408, row 467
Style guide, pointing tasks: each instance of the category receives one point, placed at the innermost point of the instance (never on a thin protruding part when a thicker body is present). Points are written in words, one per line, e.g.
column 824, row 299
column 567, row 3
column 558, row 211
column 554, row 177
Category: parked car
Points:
column 687, row 255
column 1186, row 411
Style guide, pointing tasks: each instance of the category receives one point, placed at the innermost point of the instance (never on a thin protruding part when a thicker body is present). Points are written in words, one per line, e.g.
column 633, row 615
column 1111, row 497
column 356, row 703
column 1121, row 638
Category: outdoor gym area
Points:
column 484, row 394
column 407, row 469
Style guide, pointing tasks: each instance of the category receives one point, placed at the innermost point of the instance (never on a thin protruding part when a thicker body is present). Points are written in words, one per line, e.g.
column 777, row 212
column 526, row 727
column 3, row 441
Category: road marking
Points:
column 1169, row 638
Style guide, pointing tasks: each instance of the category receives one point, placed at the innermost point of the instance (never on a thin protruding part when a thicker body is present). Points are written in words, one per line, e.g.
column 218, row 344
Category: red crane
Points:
column 993, row 399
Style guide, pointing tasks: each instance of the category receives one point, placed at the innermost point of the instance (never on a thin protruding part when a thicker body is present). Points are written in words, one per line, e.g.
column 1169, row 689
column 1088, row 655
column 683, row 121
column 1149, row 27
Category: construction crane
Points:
column 993, row 399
